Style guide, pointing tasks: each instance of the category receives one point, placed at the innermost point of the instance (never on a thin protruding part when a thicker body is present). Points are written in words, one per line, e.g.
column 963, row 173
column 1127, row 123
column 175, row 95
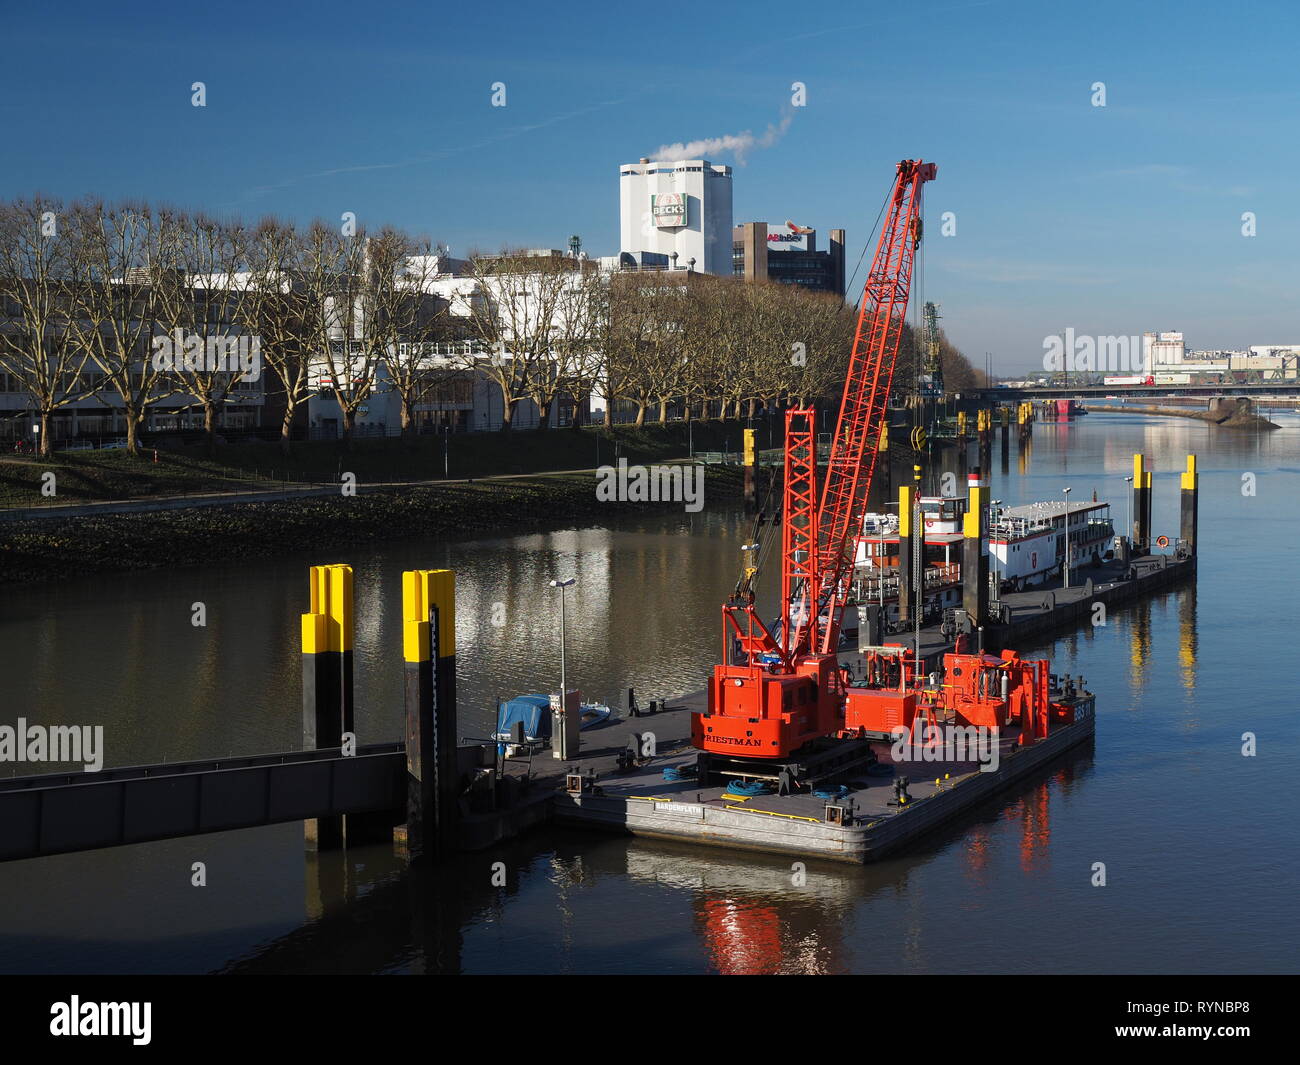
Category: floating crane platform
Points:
column 861, row 826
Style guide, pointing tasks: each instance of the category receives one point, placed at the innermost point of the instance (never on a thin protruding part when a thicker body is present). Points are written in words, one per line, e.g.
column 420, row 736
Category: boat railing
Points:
column 1014, row 528
column 873, row 587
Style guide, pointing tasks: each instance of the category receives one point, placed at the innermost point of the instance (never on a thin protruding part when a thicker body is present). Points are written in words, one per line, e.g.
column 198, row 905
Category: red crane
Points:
column 771, row 695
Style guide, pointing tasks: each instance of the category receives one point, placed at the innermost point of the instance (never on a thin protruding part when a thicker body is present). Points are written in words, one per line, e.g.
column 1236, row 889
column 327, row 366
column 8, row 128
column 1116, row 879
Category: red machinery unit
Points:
column 982, row 690
column 772, row 695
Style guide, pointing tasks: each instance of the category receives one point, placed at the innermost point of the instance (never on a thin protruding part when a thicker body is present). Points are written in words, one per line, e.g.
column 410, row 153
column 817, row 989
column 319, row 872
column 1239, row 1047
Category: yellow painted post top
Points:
column 315, row 634
column 422, row 589
column 1139, row 469
column 329, row 625
column 961, row 423
column 904, row 512
column 884, row 437
column 749, row 447
column 1189, row 477
column 974, row 512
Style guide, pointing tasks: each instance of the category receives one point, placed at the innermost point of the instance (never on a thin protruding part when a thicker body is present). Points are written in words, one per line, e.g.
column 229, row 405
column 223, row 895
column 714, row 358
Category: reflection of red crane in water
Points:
column 742, row 940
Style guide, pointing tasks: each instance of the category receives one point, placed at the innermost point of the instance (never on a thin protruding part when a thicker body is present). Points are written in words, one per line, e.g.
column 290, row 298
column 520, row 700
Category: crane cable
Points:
column 745, row 583
column 879, row 214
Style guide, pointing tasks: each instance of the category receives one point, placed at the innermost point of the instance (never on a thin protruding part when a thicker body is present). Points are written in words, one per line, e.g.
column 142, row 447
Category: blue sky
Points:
column 1110, row 220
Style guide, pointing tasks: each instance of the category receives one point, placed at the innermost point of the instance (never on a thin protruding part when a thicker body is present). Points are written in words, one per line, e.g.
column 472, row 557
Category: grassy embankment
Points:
column 49, row 548
column 88, row 476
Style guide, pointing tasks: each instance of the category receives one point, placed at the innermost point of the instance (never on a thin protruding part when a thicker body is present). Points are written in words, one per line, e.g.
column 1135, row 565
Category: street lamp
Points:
column 1069, row 548
column 564, row 688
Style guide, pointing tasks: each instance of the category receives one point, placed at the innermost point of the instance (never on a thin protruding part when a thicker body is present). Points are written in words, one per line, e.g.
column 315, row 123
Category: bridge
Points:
column 1259, row 390
column 56, row 813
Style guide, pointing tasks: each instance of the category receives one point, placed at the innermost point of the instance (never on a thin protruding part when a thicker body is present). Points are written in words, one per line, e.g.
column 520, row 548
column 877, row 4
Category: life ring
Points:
column 1162, row 541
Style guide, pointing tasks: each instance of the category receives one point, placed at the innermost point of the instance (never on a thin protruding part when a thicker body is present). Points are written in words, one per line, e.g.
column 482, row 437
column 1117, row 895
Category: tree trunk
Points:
column 544, row 414
column 45, row 444
column 286, row 431
column 132, row 418
column 507, row 412
column 640, row 414
column 210, row 425
column 609, row 415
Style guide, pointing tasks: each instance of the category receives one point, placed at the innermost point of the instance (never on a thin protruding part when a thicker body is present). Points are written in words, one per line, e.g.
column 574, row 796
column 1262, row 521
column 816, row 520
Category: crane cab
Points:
column 756, row 712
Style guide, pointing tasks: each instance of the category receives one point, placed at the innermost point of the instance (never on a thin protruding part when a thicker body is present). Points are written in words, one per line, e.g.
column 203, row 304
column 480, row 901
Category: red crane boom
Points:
column 768, row 699
column 879, row 334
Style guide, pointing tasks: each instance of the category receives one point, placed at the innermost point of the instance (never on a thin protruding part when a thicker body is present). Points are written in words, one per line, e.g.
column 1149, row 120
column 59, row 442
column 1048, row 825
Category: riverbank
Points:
column 46, row 549
column 167, row 471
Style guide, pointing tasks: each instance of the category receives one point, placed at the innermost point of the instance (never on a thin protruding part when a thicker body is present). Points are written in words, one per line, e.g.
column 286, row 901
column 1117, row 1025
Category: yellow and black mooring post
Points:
column 907, row 563
column 882, row 462
column 327, row 703
column 985, row 418
column 1141, row 506
column 1190, row 490
column 974, row 558
column 1005, row 414
column 429, row 648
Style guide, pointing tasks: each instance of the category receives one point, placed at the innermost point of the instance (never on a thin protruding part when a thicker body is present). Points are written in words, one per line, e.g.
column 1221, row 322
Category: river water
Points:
column 1199, row 842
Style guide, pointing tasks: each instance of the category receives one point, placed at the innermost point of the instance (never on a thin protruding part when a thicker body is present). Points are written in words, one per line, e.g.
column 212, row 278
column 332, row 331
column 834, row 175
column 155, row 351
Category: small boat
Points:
column 593, row 714
column 534, row 713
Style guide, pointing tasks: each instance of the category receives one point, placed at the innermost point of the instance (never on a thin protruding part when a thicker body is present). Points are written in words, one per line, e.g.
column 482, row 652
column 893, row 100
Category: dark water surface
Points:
column 1200, row 844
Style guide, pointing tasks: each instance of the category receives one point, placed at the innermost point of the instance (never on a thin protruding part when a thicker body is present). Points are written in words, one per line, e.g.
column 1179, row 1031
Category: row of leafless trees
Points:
column 89, row 288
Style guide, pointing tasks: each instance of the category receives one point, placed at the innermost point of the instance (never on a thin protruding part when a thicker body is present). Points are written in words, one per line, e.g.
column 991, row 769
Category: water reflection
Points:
column 1002, row 890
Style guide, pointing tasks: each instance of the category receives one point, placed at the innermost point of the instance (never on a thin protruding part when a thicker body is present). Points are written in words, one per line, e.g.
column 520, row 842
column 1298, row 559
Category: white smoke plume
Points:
column 739, row 144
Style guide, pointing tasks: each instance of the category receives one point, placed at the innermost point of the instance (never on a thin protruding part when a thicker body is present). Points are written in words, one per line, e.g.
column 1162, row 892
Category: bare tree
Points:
column 204, row 298
column 528, row 313
column 37, row 274
column 419, row 322
column 278, row 308
column 120, row 252
column 356, row 301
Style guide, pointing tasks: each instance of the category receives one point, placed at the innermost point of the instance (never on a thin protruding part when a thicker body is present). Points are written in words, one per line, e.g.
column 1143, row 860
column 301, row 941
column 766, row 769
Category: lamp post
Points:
column 564, row 688
column 1069, row 548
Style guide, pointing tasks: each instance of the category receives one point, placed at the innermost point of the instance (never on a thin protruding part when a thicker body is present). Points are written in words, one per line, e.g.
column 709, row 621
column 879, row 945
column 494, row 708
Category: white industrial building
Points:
column 1166, row 357
column 678, row 210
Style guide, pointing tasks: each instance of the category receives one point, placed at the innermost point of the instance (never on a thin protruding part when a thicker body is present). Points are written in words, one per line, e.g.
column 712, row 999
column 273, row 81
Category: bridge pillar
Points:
column 1188, row 505
column 429, row 649
column 327, row 703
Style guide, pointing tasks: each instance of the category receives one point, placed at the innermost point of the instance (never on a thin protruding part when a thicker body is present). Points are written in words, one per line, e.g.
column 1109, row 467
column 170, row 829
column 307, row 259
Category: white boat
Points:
column 1027, row 546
